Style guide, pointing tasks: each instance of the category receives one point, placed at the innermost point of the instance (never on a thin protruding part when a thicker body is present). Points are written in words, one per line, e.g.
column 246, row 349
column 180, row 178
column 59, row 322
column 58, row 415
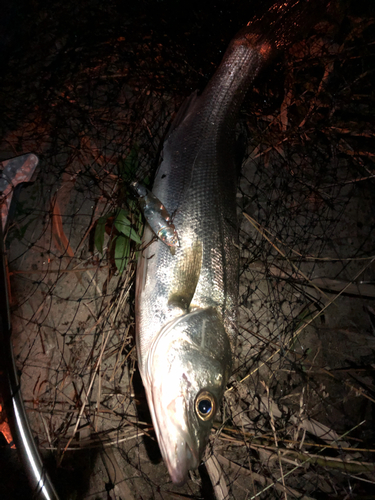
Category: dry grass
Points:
column 297, row 419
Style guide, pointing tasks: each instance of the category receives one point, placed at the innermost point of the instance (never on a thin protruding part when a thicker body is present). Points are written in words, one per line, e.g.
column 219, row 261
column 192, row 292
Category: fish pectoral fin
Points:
column 186, row 276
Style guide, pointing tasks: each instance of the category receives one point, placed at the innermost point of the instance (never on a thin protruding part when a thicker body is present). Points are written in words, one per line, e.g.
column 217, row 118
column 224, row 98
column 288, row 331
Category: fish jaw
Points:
column 190, row 357
column 178, row 450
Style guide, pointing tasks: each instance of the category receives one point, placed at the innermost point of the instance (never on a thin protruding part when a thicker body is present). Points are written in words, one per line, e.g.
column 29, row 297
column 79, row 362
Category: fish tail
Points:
column 281, row 25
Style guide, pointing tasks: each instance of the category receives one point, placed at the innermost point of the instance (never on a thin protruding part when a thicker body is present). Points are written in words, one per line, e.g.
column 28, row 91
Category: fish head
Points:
column 187, row 371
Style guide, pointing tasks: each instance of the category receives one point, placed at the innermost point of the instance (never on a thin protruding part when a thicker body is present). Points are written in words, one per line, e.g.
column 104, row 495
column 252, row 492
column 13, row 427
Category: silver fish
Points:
column 186, row 303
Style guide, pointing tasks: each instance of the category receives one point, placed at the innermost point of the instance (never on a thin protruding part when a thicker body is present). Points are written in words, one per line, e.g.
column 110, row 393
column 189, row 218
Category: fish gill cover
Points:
column 91, row 88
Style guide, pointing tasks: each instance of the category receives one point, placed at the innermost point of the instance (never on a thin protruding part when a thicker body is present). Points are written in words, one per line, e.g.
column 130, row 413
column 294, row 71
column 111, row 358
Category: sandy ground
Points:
column 298, row 413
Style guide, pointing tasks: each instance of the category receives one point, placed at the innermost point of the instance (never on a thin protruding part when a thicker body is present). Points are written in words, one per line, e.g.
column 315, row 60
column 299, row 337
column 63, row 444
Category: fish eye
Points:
column 205, row 405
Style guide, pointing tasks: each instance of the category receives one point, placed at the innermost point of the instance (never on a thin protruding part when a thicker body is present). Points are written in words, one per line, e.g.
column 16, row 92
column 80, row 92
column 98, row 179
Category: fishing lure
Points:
column 157, row 216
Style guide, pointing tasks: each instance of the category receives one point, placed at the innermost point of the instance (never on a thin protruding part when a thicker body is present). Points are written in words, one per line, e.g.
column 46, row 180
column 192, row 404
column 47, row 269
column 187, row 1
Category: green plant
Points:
column 126, row 231
column 123, row 226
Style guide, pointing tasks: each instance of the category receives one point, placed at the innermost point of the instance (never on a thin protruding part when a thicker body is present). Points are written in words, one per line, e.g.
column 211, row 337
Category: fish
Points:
column 186, row 303
column 156, row 216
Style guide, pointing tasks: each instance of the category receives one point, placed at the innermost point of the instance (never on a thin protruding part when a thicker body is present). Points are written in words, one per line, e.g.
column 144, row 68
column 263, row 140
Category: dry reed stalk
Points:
column 217, row 478
column 301, row 328
column 257, row 227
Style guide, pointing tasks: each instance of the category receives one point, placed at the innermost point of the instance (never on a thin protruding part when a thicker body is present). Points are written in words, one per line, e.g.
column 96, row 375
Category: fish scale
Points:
column 197, row 183
column 186, row 303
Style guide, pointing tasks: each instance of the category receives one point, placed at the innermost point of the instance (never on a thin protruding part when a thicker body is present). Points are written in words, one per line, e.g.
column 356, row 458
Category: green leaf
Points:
column 122, row 250
column 99, row 233
column 131, row 233
column 111, row 243
column 129, row 166
column 133, row 205
column 121, row 221
column 146, row 181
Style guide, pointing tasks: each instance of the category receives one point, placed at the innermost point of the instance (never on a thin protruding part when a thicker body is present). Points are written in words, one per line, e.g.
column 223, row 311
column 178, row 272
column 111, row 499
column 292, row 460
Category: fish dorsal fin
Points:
column 186, row 108
column 186, row 276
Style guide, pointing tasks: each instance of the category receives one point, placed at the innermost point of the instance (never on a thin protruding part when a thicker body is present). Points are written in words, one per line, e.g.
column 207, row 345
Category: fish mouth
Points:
column 179, row 450
column 179, row 460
